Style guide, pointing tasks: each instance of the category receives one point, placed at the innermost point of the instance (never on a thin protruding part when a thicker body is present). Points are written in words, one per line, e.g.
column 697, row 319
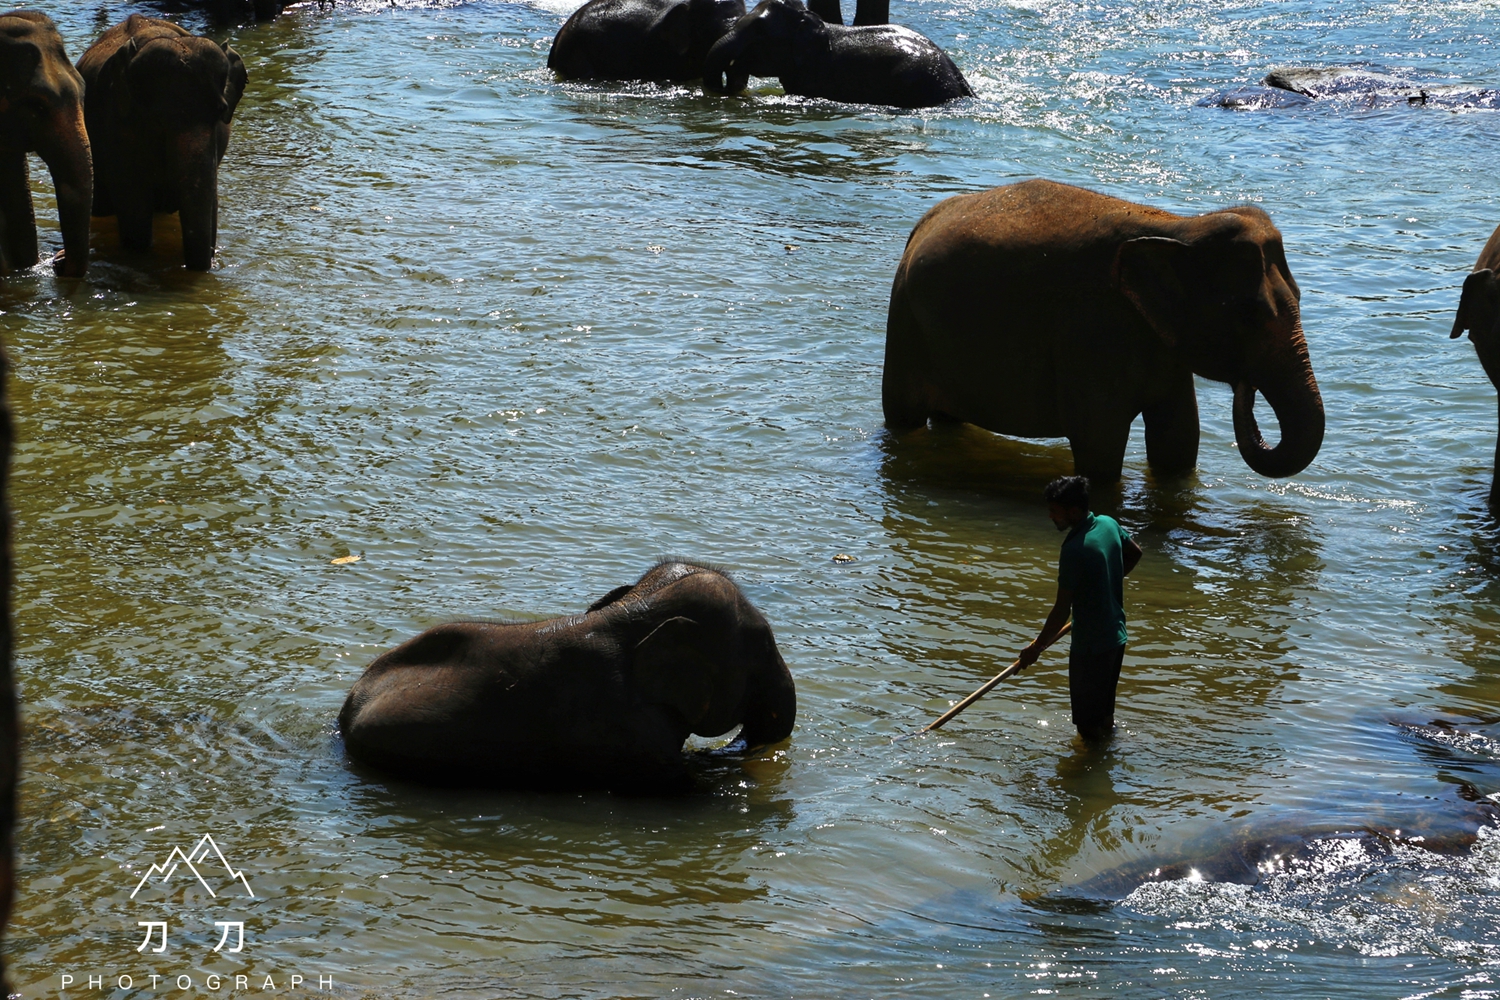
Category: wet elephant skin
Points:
column 604, row 699
column 815, row 57
column 640, row 39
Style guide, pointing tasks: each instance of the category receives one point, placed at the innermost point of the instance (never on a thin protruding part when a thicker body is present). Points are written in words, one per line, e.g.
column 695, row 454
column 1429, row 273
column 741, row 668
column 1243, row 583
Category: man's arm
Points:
column 1130, row 552
column 1055, row 621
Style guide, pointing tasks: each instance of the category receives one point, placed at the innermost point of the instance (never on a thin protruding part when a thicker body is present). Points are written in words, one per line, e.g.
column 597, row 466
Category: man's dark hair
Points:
column 1069, row 492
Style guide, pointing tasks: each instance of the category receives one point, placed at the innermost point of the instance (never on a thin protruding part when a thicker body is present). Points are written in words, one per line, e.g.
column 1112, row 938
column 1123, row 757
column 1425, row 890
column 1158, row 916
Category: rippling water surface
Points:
column 510, row 340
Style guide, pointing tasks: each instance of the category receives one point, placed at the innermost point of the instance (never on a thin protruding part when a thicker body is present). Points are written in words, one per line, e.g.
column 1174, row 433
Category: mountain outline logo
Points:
column 200, row 853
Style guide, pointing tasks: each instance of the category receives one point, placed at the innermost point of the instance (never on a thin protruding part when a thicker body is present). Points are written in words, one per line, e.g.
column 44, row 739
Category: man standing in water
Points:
column 1096, row 557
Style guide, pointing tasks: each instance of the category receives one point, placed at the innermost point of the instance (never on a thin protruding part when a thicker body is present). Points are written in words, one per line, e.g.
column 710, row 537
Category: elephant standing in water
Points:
column 41, row 111
column 158, row 106
column 1479, row 313
column 880, row 64
column 1045, row 310
column 640, row 39
column 605, row 698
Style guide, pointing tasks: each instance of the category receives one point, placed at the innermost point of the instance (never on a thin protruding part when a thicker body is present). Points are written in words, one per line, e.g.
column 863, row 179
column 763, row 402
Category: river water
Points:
column 510, row 340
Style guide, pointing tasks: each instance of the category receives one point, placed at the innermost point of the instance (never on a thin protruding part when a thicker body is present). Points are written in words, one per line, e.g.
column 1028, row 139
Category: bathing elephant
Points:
column 158, row 106
column 640, row 39
column 1045, row 310
column 605, row 698
column 41, row 111
column 1479, row 313
column 880, row 64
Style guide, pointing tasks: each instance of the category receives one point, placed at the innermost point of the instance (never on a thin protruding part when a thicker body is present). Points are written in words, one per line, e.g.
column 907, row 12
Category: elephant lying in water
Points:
column 1479, row 313
column 605, row 698
column 1044, row 310
column 880, row 64
column 1293, row 86
column 640, row 39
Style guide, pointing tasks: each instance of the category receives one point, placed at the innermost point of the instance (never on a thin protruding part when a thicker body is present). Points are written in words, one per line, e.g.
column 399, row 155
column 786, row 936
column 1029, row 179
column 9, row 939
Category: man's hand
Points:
column 1028, row 655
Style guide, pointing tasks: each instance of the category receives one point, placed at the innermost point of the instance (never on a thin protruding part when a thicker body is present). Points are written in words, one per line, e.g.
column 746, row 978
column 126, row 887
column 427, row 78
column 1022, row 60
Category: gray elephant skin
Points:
column 1479, row 313
column 602, row 699
column 640, row 39
column 41, row 111
column 879, row 64
column 1045, row 310
column 158, row 105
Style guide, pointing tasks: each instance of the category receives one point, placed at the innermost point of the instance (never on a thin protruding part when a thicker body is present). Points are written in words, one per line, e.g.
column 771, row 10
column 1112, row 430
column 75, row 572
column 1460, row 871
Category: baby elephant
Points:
column 1479, row 313
column 602, row 699
column 879, row 64
column 157, row 106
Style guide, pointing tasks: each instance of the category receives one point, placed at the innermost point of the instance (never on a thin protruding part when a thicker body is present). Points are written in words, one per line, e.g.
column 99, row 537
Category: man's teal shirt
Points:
column 1092, row 566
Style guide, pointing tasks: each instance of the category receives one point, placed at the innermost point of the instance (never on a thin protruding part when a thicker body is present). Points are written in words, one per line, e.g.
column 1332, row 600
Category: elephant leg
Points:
column 18, row 236
column 1495, row 482
column 1172, row 432
column 1099, row 448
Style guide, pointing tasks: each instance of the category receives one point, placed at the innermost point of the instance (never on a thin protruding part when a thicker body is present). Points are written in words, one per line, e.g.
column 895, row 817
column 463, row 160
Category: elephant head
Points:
column 1479, row 313
column 1222, row 300
column 167, row 97
column 41, row 109
column 765, row 42
column 715, row 662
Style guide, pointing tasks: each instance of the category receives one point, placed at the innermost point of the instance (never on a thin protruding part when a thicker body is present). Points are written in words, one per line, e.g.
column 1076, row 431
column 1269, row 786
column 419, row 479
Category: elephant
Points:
column 1041, row 309
column 1479, row 313
column 41, row 111
column 601, row 699
column 640, row 39
column 879, row 64
column 158, row 105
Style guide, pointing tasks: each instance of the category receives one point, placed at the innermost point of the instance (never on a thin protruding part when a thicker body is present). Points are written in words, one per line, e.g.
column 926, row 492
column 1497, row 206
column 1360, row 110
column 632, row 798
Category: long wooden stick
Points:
column 989, row 685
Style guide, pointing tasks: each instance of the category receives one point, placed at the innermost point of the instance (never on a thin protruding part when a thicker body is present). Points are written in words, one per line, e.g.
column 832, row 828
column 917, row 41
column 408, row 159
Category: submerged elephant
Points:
column 1045, row 310
column 1479, row 313
column 641, row 39
column 41, row 111
column 605, row 698
column 158, row 107
column 881, row 64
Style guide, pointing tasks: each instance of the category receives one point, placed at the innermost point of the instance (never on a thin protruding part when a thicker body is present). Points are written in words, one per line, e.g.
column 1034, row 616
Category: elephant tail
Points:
column 902, row 388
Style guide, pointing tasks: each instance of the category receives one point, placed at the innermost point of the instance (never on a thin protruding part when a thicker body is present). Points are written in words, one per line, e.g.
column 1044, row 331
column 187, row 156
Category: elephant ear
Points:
column 1152, row 272
column 1165, row 278
column 114, row 77
column 675, row 666
column 674, row 29
column 234, row 87
column 1481, row 295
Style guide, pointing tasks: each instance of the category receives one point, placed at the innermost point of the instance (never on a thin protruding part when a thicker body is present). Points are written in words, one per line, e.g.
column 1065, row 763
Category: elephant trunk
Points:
column 1292, row 391
column 770, row 706
column 719, row 65
column 71, row 164
column 198, row 211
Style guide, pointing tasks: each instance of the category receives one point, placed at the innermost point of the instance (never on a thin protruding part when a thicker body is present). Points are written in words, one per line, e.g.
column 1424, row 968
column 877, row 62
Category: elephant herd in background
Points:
column 807, row 47
column 139, row 127
column 1037, row 309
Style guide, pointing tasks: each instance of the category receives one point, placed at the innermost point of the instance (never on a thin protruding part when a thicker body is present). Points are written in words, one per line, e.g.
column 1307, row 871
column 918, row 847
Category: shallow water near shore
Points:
column 510, row 341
